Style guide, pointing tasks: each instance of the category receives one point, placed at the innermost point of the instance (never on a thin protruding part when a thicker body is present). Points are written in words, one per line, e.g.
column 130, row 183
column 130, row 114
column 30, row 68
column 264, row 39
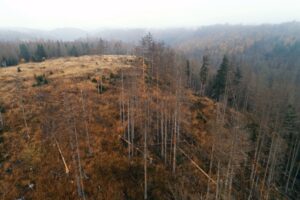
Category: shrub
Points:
column 2, row 109
column 94, row 80
column 101, row 89
column 114, row 76
column 40, row 80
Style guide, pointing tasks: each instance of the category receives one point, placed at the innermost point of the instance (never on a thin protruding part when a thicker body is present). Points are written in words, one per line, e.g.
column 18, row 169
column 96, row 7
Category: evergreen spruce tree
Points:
column 204, row 73
column 73, row 51
column 24, row 52
column 290, row 130
column 40, row 53
column 237, row 77
column 220, row 80
column 235, row 93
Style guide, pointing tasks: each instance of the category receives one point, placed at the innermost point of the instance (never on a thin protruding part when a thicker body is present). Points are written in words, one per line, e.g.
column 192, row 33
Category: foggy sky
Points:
column 91, row 14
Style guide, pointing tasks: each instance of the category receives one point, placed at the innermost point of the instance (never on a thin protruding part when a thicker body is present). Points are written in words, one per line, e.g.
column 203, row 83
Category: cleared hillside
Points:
column 75, row 128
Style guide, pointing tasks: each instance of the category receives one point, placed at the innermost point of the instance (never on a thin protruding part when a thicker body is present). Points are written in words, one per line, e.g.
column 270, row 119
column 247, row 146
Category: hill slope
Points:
column 77, row 128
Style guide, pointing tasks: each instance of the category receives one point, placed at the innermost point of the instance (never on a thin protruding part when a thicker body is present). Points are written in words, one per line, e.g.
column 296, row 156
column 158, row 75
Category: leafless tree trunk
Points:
column 295, row 177
column 62, row 156
column 128, row 128
column 132, row 129
column 209, row 173
column 75, row 152
column 162, row 133
column 218, row 182
column 85, row 123
column 166, row 137
column 145, row 154
column 294, row 157
column 175, row 141
column 122, row 106
column 79, row 162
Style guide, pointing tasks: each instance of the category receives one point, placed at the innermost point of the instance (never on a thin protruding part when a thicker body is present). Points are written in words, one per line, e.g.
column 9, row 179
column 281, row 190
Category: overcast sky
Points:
column 93, row 14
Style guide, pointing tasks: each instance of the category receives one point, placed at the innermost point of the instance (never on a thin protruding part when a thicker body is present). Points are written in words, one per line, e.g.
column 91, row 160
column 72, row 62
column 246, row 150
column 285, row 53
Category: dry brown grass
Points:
column 54, row 109
column 36, row 159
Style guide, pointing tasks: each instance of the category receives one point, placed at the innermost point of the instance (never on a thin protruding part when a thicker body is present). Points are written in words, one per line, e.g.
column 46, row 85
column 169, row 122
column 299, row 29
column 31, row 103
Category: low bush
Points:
column 40, row 80
column 94, row 80
column 101, row 89
column 2, row 108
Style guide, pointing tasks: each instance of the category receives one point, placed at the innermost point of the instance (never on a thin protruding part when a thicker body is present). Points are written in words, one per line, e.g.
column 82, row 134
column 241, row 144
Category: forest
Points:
column 213, row 114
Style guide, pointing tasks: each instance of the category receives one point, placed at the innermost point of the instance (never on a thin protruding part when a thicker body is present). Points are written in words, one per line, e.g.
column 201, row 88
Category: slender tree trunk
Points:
column 268, row 163
column 295, row 154
column 209, row 173
column 85, row 123
column 166, row 137
column 145, row 158
column 295, row 177
column 128, row 128
column 218, row 182
column 122, row 100
column 79, row 163
column 162, row 133
column 132, row 131
column 175, row 142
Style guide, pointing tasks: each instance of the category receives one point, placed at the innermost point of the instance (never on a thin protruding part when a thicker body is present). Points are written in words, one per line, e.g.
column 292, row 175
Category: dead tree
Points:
column 132, row 129
column 292, row 165
column 146, row 126
column 62, row 156
column 128, row 128
column 85, row 122
column 73, row 138
column 162, row 131
column 210, row 170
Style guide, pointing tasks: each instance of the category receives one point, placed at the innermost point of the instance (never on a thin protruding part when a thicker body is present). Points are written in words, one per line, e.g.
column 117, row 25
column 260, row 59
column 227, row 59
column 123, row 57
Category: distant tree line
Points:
column 12, row 53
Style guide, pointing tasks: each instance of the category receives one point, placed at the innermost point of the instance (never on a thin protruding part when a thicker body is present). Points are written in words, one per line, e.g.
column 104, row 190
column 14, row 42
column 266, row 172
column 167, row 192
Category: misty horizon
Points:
column 90, row 15
column 102, row 28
